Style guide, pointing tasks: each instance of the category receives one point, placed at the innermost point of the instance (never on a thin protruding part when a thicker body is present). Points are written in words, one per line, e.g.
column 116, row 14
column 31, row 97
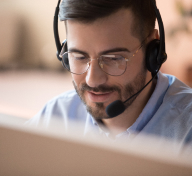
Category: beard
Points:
column 98, row 111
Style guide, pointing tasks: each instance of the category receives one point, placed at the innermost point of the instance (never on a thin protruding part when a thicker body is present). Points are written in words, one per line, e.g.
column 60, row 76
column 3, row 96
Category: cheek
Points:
column 135, row 65
column 118, row 81
column 78, row 79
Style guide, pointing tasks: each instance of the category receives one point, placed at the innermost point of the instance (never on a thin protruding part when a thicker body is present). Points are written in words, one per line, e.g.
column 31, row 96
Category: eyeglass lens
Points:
column 78, row 63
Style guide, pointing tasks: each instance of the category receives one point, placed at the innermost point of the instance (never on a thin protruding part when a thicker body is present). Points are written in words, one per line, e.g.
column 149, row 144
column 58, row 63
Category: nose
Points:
column 95, row 76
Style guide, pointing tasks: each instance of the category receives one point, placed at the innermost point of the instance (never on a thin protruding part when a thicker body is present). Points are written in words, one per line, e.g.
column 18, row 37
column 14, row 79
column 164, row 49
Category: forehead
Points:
column 109, row 31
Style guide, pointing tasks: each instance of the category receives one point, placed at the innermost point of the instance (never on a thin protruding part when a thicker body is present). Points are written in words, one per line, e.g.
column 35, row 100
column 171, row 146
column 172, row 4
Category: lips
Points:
column 99, row 96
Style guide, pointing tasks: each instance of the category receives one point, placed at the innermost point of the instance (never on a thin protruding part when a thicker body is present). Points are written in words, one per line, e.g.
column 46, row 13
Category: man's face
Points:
column 96, row 88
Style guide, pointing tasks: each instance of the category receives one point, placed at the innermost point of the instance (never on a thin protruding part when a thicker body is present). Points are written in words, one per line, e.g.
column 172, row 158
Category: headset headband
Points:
column 162, row 56
column 56, row 32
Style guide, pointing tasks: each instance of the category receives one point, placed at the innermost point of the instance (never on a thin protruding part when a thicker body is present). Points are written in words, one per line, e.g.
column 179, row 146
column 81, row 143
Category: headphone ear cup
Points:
column 152, row 51
column 65, row 61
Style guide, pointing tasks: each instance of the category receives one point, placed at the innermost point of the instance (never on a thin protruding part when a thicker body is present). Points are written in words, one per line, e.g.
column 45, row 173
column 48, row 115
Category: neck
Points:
column 122, row 122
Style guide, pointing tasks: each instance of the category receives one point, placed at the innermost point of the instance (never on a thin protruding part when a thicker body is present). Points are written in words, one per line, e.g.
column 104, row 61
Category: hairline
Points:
column 134, row 23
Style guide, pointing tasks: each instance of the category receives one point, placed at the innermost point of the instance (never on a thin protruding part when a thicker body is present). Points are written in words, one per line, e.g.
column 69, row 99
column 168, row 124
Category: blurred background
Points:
column 30, row 73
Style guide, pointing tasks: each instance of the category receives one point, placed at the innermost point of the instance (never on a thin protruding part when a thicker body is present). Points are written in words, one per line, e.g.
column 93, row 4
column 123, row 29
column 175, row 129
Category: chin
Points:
column 97, row 111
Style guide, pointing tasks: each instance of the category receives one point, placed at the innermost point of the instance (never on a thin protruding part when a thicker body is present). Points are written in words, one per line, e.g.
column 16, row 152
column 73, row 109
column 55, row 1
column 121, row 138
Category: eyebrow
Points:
column 118, row 49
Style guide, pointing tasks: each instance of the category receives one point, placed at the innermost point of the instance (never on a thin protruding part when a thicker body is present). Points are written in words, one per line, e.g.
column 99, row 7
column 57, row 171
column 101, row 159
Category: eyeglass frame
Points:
column 126, row 59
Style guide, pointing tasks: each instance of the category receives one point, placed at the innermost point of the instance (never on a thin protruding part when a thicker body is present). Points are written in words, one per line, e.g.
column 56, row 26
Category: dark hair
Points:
column 87, row 11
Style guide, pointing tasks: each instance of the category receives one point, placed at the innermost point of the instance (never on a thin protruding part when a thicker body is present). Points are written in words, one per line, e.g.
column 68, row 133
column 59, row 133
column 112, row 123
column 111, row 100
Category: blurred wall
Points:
column 177, row 18
column 33, row 43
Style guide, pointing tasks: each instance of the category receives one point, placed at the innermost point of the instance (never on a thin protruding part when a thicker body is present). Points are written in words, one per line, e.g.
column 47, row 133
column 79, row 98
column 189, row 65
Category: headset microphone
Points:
column 117, row 107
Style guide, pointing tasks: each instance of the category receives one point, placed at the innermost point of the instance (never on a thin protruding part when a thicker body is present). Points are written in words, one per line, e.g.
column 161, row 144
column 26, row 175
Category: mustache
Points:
column 101, row 88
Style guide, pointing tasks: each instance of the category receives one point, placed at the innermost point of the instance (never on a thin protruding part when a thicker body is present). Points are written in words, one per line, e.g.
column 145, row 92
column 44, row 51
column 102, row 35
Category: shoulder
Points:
column 66, row 106
column 177, row 101
column 66, row 98
column 176, row 111
column 173, row 118
column 179, row 95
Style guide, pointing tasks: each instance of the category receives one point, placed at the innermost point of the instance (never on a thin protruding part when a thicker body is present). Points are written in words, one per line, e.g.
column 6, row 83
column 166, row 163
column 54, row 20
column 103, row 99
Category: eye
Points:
column 80, row 58
column 113, row 57
column 116, row 58
column 77, row 56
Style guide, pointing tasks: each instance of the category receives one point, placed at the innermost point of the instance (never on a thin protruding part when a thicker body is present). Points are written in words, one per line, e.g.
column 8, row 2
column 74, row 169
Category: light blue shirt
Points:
column 168, row 112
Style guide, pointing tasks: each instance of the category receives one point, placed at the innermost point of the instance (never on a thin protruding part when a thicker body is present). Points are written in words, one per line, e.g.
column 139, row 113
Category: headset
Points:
column 155, row 51
column 154, row 58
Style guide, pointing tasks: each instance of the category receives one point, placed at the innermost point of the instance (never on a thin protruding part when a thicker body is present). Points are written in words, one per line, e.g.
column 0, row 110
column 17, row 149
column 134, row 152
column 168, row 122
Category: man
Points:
column 106, row 56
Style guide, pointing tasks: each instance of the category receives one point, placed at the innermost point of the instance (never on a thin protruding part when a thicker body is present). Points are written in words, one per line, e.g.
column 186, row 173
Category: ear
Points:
column 154, row 35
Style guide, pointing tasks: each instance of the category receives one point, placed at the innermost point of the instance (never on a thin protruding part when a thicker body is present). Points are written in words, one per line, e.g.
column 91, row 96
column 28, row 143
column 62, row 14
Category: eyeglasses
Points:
column 112, row 64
